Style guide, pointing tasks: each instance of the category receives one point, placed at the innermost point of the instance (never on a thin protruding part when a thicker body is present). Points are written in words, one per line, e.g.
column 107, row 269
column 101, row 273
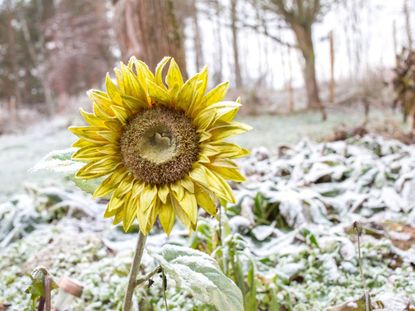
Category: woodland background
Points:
column 327, row 213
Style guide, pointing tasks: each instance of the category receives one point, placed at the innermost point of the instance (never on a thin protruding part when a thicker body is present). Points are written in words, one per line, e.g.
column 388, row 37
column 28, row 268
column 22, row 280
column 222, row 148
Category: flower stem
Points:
column 132, row 278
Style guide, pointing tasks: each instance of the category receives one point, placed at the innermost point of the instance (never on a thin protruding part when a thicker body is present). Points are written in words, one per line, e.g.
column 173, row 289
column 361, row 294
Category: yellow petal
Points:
column 124, row 187
column 163, row 192
column 167, row 216
column 201, row 87
column 189, row 205
column 223, row 111
column 187, row 92
column 110, row 213
column 102, row 103
column 88, row 133
column 119, row 77
column 148, row 196
column 159, row 71
column 103, row 112
column 223, row 130
column 227, row 173
column 99, row 168
column 203, row 136
column 110, row 183
column 205, row 200
column 119, row 214
column 133, row 87
column 111, row 136
column 113, row 91
column 91, row 118
column 178, row 190
column 120, row 113
column 114, row 125
column 223, row 163
column 82, row 142
column 134, row 103
column 211, row 181
column 215, row 95
column 147, row 217
column 158, row 93
column 88, row 153
column 143, row 72
column 115, row 203
column 130, row 212
column 137, row 188
column 183, row 216
column 187, row 184
column 174, row 78
column 228, row 150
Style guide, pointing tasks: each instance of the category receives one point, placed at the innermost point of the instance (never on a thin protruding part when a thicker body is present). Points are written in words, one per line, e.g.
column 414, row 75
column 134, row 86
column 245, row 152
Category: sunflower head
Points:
column 160, row 145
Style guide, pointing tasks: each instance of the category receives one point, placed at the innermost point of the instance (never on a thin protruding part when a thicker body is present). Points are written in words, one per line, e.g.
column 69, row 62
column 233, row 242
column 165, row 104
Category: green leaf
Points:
column 199, row 275
column 60, row 162
column 250, row 296
column 36, row 288
column 310, row 238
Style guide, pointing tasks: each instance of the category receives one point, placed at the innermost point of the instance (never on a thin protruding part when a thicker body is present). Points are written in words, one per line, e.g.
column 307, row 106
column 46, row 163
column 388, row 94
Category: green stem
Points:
column 132, row 278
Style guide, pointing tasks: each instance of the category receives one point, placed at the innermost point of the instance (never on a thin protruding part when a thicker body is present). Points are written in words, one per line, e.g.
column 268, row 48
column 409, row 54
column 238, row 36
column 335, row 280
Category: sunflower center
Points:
column 159, row 145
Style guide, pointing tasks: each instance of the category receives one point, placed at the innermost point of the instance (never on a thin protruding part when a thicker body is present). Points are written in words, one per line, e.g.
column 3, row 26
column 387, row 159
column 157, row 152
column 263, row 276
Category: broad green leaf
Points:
column 199, row 275
column 60, row 162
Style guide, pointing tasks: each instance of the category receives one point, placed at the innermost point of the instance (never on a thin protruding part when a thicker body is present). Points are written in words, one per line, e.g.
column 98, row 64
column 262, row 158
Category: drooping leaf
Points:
column 199, row 275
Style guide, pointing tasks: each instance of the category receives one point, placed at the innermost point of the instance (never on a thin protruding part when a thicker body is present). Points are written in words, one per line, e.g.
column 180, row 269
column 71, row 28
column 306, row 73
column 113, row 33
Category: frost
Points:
column 199, row 275
column 58, row 161
column 288, row 242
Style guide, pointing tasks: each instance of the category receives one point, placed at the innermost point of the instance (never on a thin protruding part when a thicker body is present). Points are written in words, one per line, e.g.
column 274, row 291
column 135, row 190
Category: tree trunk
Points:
column 197, row 38
column 13, row 58
column 237, row 67
column 305, row 44
column 290, row 83
column 408, row 23
column 149, row 31
column 218, row 34
column 332, row 85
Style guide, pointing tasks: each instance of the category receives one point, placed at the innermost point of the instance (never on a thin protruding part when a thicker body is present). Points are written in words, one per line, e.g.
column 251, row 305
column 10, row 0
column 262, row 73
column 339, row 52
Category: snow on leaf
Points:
column 59, row 161
column 199, row 275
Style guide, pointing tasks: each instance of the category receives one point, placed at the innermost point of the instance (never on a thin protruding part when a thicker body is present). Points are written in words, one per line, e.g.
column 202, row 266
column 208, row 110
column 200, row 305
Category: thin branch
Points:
column 264, row 32
column 147, row 277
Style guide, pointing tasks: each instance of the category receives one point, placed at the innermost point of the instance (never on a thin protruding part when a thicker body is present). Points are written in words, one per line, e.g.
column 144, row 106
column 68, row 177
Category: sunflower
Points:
column 159, row 145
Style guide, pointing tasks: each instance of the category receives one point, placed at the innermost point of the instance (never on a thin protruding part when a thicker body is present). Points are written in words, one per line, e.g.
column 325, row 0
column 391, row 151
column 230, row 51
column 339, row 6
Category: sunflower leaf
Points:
column 60, row 162
column 199, row 275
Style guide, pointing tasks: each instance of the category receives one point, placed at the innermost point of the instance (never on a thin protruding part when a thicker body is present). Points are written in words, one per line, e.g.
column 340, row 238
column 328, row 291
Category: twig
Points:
column 149, row 276
column 358, row 230
column 164, row 289
column 132, row 278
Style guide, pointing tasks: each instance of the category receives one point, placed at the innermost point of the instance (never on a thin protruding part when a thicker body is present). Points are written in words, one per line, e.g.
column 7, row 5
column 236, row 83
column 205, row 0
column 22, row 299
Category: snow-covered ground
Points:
column 290, row 241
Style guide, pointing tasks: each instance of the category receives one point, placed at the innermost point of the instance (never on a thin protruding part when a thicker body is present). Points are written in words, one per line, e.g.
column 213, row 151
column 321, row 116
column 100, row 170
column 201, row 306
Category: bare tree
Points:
column 197, row 37
column 407, row 13
column 218, row 38
column 149, row 30
column 300, row 16
column 80, row 37
column 235, row 44
column 11, row 39
column 332, row 84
